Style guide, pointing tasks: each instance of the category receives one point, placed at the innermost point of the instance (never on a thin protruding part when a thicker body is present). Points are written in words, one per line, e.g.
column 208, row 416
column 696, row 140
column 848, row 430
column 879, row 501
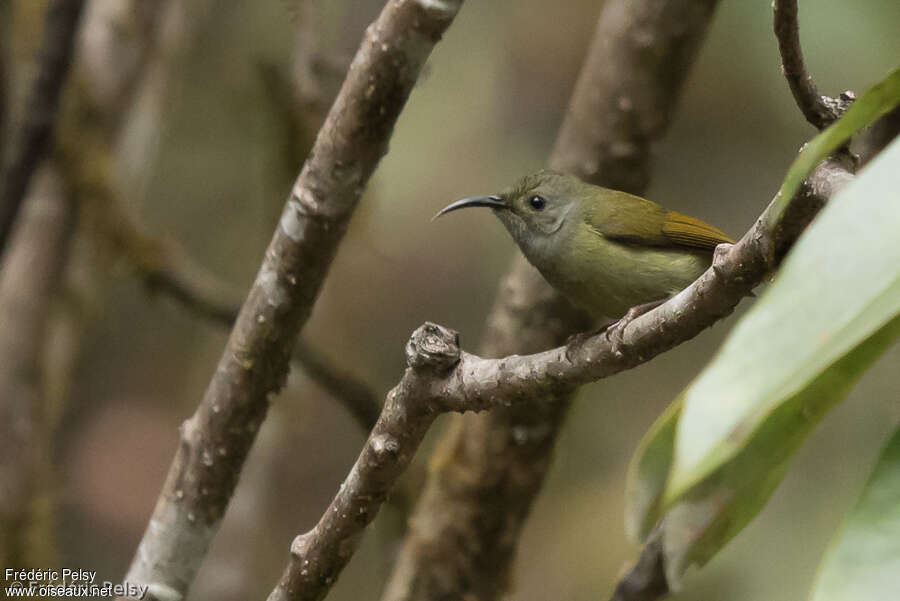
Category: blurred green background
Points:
column 485, row 112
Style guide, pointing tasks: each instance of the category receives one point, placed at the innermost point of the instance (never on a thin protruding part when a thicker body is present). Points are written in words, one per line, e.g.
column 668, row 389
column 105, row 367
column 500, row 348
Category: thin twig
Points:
column 442, row 378
column 489, row 468
column 215, row 441
column 31, row 140
column 344, row 387
column 165, row 268
column 172, row 272
column 819, row 110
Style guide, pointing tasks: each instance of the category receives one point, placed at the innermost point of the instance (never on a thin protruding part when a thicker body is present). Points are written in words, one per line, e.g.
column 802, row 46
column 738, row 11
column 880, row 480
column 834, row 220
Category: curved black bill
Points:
column 493, row 201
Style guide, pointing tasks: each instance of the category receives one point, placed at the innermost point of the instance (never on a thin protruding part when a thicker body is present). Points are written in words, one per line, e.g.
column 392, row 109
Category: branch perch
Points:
column 820, row 111
column 216, row 439
column 442, row 378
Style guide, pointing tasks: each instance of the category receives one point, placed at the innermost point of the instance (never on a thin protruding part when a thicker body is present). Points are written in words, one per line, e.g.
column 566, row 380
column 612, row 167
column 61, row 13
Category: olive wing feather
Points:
column 630, row 219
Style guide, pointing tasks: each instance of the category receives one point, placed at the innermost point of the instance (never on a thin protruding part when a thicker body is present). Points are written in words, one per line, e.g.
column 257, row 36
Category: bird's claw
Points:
column 615, row 334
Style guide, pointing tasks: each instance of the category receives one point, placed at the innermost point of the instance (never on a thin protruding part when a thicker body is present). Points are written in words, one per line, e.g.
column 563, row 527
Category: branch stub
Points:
column 432, row 347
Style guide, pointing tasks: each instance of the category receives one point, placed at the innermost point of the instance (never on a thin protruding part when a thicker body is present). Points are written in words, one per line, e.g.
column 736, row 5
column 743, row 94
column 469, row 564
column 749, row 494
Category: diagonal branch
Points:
column 442, row 378
column 31, row 139
column 215, row 441
column 29, row 279
column 819, row 110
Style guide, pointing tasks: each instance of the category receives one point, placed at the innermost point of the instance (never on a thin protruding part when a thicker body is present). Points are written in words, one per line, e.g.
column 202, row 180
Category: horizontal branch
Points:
column 819, row 110
column 442, row 378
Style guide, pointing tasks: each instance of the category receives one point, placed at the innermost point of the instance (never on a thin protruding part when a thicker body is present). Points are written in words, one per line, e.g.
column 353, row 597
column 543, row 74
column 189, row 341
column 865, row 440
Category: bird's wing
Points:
column 690, row 231
column 634, row 220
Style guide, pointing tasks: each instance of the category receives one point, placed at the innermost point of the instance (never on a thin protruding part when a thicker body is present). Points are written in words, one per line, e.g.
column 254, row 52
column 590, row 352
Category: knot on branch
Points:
column 432, row 347
column 838, row 106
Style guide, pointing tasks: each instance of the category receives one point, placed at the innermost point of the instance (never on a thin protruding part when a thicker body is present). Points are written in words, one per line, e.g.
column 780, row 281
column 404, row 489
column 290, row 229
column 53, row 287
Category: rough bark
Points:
column 489, row 469
column 216, row 439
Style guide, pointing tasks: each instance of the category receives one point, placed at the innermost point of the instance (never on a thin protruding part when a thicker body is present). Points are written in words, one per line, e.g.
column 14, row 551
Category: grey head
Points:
column 535, row 211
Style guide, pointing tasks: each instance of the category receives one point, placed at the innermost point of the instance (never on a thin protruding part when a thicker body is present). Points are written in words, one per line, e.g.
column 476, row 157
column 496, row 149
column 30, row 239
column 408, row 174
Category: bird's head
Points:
column 534, row 210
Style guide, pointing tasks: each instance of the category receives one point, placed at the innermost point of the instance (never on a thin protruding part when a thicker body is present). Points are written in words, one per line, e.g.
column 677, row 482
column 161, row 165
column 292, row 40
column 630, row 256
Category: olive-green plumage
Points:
column 606, row 251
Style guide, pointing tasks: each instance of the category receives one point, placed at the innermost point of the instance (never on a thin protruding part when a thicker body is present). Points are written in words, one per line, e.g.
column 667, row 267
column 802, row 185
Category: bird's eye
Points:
column 537, row 202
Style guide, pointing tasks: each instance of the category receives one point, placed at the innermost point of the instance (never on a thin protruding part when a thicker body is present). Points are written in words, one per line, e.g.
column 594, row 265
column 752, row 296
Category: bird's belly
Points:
column 610, row 280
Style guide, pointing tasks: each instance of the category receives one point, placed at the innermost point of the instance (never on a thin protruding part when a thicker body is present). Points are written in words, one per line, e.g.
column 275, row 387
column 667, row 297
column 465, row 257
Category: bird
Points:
column 613, row 254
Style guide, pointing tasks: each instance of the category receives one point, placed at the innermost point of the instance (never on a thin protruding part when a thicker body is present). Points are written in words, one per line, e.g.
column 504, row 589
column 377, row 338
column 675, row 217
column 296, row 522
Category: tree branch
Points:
column 819, row 110
column 488, row 469
column 31, row 139
column 442, row 378
column 28, row 280
column 216, row 439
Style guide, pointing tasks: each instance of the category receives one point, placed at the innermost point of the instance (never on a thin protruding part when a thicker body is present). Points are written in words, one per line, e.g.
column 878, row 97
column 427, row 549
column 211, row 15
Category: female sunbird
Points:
column 606, row 251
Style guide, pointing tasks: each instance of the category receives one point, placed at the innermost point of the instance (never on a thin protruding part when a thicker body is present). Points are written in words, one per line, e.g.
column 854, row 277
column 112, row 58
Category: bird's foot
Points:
column 576, row 340
column 615, row 331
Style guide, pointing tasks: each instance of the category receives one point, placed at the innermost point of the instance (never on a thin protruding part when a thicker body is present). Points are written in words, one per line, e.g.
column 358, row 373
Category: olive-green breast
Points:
column 628, row 251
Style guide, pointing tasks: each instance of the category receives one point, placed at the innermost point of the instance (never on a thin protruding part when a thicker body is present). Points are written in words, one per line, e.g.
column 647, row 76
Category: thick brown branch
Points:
column 819, row 110
column 216, row 439
column 442, row 378
column 31, row 139
column 489, row 468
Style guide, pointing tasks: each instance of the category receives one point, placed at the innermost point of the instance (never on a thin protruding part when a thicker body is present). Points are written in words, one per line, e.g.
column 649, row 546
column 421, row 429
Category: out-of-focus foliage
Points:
column 863, row 561
column 713, row 459
column 832, row 311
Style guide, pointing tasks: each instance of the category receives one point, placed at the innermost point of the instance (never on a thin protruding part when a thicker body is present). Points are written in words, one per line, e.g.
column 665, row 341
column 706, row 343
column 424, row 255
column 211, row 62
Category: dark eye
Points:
column 537, row 202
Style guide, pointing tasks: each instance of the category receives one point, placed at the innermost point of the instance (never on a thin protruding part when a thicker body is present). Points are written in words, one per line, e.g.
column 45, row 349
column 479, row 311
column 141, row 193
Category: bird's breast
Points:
column 607, row 278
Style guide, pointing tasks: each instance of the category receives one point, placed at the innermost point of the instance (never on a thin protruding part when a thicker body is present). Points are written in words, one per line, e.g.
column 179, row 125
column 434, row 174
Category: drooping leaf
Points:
column 649, row 471
column 832, row 311
column 863, row 561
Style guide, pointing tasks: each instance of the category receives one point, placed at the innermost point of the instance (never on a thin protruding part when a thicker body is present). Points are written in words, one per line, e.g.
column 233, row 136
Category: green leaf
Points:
column 863, row 561
column 831, row 312
column 755, row 362
column 648, row 472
